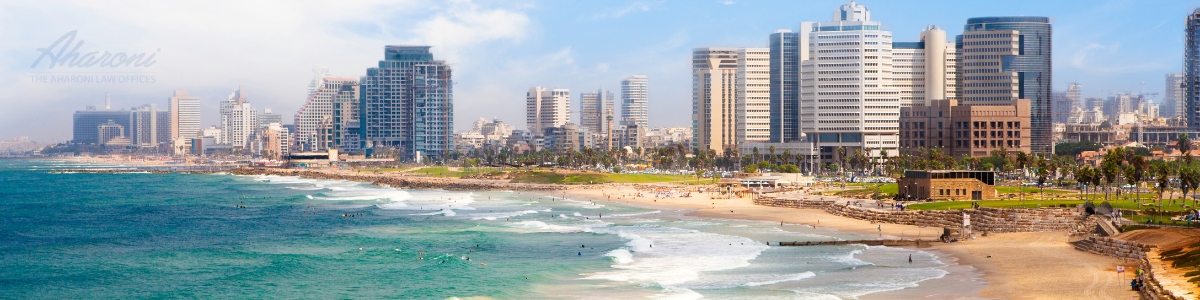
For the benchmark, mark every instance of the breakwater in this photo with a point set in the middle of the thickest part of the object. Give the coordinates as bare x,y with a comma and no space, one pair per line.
861,242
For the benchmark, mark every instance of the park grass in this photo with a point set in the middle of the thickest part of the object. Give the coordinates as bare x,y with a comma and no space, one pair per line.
461,172
556,178
885,188
1027,190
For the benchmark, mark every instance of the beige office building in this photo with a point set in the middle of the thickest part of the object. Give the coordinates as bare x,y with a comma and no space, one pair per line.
714,98
754,95
185,115
545,108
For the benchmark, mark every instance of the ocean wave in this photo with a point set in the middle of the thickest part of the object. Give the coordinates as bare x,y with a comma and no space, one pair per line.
679,255
539,226
789,277
620,256
444,212
494,216
637,214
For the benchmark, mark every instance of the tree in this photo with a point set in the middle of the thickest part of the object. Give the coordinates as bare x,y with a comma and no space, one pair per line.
1162,176
1043,172
750,168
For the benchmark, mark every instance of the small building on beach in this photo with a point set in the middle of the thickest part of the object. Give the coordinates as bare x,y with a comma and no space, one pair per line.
947,185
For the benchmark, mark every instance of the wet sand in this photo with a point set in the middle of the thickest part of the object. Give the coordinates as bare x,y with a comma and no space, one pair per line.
1023,265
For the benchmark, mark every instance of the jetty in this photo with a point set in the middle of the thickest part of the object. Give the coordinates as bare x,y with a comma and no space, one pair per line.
918,243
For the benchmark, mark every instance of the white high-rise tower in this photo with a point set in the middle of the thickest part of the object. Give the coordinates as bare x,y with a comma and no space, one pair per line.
848,98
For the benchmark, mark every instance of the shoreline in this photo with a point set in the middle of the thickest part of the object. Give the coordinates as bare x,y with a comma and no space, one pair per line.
1031,265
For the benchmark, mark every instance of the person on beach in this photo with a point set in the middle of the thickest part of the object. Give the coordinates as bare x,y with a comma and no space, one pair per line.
910,258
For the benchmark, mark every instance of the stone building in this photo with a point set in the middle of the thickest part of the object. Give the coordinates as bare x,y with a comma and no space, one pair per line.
964,130
947,185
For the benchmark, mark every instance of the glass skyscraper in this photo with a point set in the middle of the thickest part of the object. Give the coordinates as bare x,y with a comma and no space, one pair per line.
1005,59
407,103
1191,70
785,86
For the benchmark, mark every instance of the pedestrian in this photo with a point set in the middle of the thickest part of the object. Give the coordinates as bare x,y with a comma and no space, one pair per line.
910,258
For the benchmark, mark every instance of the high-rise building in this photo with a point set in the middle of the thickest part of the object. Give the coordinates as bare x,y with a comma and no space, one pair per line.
1005,59
149,127
847,97
238,120
635,101
1173,97
1191,69
545,108
407,103
753,96
87,121
714,98
785,84
185,115
596,110
108,131
925,71
267,117
314,120
345,122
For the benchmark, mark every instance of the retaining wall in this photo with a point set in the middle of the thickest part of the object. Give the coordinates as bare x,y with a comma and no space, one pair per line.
1106,246
1152,288
982,219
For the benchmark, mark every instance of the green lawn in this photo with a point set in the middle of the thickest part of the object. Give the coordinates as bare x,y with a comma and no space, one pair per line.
1027,190
885,188
446,172
551,177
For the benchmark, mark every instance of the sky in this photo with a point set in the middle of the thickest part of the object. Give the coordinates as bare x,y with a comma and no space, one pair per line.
498,49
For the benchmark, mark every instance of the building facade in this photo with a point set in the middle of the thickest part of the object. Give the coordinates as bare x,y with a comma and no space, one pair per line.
185,115
1173,96
753,85
314,119
407,103
847,97
596,111
925,71
545,108
962,130
149,127
238,119
635,101
1005,59
785,85
714,98
86,122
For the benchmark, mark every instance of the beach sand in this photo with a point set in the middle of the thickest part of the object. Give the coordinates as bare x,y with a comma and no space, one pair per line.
1023,265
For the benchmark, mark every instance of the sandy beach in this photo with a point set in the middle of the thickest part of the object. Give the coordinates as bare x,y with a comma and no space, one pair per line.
1022,265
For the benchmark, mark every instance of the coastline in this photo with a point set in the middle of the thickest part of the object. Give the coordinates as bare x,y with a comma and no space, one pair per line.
1039,265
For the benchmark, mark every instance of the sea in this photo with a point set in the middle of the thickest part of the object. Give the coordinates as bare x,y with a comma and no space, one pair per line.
141,235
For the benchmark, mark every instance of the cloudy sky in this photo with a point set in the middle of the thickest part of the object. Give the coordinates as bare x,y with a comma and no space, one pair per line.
499,49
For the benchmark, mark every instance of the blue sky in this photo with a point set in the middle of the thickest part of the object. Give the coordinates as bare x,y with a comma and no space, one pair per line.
499,49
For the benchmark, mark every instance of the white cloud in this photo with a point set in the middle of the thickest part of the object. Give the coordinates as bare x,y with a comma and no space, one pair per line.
617,12
210,47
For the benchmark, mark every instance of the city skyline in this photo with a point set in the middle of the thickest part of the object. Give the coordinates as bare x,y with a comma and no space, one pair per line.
493,48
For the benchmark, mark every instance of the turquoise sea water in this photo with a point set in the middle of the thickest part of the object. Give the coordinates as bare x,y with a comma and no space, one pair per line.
184,236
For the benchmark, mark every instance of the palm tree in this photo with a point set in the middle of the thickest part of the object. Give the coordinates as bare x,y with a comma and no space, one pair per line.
1163,178
841,152
1188,178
